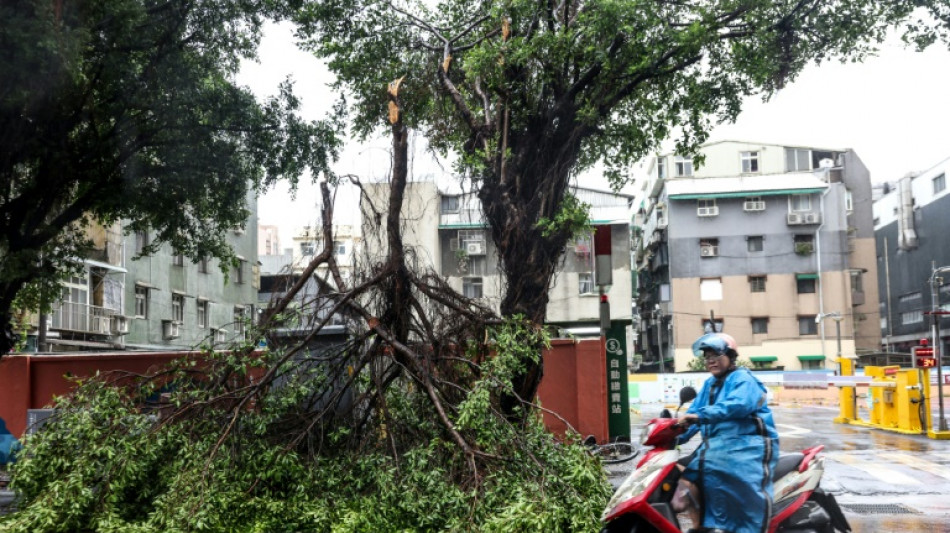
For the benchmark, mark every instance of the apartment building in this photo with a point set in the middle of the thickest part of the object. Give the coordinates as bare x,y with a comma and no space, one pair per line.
161,301
769,243
911,218
447,233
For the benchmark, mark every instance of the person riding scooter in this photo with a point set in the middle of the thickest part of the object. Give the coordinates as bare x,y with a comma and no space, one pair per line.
730,474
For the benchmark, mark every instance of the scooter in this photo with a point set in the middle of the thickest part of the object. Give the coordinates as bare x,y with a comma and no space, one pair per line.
642,504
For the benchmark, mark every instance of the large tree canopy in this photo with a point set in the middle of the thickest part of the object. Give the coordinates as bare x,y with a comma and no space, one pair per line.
127,109
530,92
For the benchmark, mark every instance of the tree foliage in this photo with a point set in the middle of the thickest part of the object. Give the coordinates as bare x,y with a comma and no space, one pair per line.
128,110
530,92
401,427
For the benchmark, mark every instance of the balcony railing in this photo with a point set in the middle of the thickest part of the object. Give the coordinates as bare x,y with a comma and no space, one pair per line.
83,318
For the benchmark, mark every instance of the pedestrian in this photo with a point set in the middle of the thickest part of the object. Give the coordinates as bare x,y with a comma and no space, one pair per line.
729,475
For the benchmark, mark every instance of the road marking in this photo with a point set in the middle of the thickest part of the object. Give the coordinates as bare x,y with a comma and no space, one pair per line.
918,463
885,474
789,431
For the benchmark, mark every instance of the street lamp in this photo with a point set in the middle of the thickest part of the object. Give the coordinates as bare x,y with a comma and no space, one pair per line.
836,316
938,347
843,367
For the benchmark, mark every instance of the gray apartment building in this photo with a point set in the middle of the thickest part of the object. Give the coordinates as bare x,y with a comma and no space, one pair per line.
769,243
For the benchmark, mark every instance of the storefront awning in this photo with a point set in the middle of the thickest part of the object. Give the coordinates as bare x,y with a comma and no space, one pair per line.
806,276
763,358
811,357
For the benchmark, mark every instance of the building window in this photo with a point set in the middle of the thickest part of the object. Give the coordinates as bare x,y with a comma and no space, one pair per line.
239,320
472,287
755,243
912,317
757,283
308,248
339,247
857,281
178,308
239,271
710,289
909,298
848,201
760,325
804,244
203,265
808,364
807,325
585,283
178,258
664,292
707,208
708,247
661,167
450,204
799,202
797,159
710,326
683,166
141,301
750,162
141,241
202,309
753,203
940,183
806,283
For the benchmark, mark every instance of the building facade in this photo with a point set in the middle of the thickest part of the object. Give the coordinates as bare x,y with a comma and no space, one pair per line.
161,301
911,218
769,243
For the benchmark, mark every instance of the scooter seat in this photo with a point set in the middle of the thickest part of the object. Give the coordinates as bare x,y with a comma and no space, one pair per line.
787,463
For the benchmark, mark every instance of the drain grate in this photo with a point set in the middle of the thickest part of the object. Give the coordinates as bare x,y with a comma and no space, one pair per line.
879,508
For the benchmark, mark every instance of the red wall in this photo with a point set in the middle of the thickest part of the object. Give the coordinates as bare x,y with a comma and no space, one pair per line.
575,387
31,382
574,384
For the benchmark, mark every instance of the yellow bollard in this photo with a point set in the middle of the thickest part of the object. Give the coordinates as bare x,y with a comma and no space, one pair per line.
847,396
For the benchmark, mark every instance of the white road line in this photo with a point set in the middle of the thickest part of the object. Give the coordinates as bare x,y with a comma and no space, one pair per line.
786,431
885,474
918,463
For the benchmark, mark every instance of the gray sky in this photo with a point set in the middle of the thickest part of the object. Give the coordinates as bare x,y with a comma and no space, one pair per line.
893,110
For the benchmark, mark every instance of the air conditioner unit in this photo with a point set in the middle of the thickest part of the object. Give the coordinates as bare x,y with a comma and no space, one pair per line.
120,325
812,218
707,211
709,251
171,329
794,218
753,206
475,248
661,223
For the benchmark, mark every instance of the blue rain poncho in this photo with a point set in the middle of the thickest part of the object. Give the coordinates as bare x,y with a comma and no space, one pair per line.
734,464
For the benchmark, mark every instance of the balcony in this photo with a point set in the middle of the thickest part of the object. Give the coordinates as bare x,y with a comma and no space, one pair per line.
82,318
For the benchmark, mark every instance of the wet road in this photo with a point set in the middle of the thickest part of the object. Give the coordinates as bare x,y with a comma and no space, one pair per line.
884,481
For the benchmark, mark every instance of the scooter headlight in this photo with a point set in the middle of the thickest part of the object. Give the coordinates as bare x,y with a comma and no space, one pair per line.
645,434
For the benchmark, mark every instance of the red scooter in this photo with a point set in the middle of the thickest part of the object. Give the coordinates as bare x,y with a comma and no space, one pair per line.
642,503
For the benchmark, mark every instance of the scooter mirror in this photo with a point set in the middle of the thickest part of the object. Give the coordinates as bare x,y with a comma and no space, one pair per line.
687,394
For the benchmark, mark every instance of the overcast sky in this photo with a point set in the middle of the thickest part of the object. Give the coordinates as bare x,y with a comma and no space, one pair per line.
893,110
